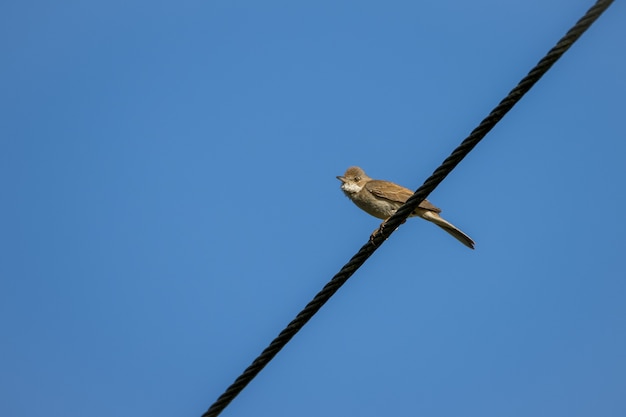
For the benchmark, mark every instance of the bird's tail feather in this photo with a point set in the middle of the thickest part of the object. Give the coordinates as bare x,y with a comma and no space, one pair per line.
450,228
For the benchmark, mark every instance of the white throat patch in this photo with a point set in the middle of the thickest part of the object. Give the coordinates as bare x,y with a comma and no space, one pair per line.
351,187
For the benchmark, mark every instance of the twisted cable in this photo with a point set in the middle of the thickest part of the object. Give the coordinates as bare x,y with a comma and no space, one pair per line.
391,224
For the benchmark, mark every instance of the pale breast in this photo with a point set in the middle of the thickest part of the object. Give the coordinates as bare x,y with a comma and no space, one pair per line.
374,206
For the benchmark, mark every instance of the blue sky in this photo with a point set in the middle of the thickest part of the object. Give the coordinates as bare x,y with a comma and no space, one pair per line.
170,204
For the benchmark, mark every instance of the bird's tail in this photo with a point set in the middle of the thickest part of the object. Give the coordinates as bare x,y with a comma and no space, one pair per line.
449,227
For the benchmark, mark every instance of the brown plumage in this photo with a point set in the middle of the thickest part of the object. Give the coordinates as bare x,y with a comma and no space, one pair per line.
381,199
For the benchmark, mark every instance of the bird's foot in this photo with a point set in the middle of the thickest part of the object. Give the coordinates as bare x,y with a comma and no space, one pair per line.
375,233
380,230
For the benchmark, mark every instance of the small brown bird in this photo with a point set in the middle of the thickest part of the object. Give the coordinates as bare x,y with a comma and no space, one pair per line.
382,198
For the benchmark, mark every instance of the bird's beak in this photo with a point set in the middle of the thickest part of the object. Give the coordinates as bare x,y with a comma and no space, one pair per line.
340,178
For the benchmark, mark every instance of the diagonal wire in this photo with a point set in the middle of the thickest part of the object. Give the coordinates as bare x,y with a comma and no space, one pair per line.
391,224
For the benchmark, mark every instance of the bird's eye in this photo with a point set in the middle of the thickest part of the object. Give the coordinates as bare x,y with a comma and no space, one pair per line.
357,179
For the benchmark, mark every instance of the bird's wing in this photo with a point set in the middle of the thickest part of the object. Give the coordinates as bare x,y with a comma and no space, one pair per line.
428,206
393,192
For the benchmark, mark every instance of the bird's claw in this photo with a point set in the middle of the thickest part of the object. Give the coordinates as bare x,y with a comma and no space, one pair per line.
377,232
380,230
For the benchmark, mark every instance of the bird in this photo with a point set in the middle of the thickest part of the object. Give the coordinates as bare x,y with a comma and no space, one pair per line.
381,199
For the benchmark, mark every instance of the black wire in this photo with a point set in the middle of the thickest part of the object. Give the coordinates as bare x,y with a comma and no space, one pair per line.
390,225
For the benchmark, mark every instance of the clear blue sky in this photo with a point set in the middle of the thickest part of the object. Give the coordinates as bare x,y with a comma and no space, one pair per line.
169,204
